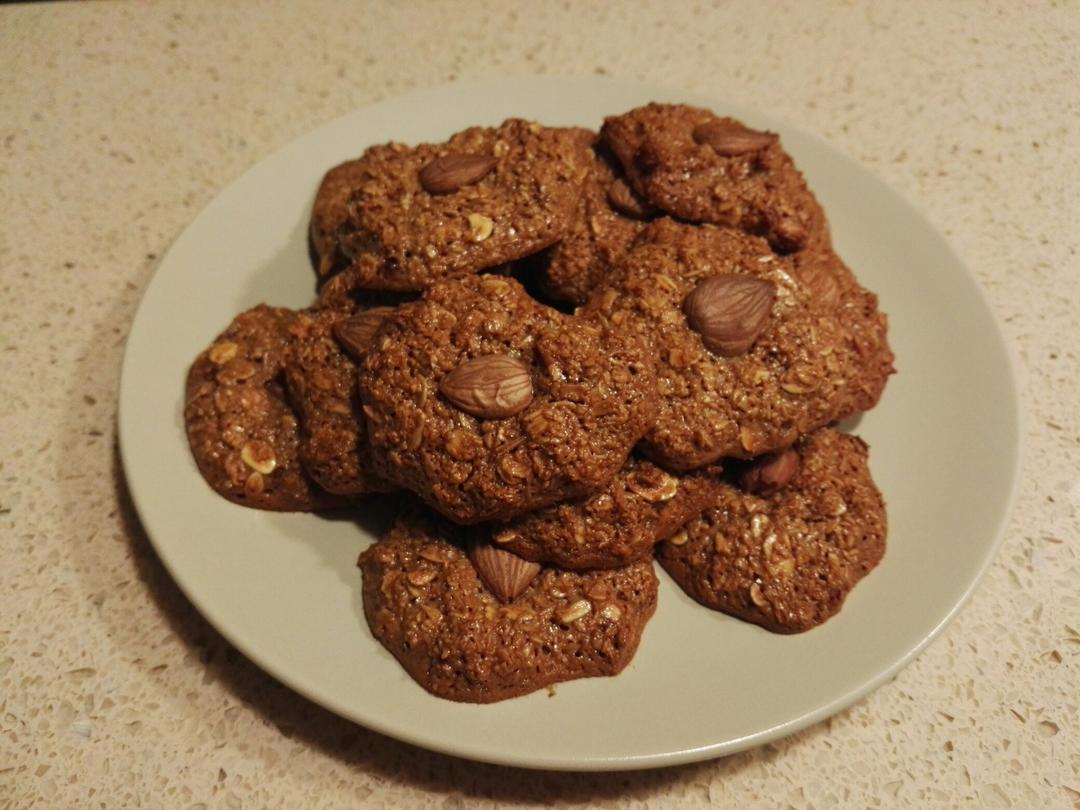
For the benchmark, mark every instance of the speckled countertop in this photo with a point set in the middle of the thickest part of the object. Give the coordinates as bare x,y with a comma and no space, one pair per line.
119,121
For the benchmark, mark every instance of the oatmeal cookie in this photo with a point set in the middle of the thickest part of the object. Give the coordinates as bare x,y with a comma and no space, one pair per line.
618,525
404,217
786,560
488,405
343,292
242,431
330,215
320,378
608,219
748,359
704,168
426,604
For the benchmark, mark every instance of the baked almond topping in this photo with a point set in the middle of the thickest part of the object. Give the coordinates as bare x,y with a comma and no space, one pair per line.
447,174
729,311
355,333
506,574
822,285
729,139
493,386
771,472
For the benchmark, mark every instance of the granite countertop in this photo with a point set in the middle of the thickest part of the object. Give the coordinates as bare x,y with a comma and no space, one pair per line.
120,121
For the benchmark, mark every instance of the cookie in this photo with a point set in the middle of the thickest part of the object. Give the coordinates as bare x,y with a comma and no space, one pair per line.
618,525
343,291
749,359
320,378
608,219
427,606
414,215
786,560
488,405
330,216
243,433
704,168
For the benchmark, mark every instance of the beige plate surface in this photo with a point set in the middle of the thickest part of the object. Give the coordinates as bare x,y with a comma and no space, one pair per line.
285,590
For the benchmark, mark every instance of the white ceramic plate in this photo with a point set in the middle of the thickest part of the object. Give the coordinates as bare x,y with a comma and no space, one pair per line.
285,590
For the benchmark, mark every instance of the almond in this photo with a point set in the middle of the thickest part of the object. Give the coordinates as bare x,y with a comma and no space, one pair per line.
730,138
789,234
820,282
355,333
493,386
770,472
505,573
622,198
446,174
729,311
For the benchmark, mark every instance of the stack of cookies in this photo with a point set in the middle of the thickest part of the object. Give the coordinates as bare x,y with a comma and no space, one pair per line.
572,354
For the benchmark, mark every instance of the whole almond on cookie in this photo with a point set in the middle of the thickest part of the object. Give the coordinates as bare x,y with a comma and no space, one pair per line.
729,311
771,472
505,574
728,138
493,386
789,234
355,333
447,174
820,283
